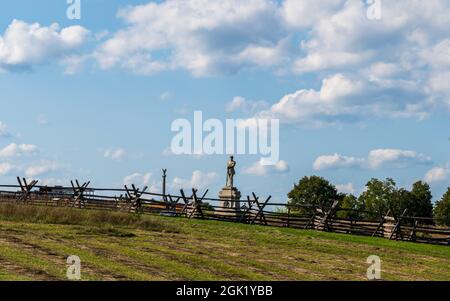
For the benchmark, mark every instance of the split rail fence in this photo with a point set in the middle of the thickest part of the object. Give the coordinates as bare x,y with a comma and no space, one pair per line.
254,210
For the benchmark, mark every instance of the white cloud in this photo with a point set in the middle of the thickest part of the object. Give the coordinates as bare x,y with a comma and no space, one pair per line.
199,180
260,169
53,182
304,14
346,188
115,153
437,174
315,106
394,67
15,150
42,168
203,37
24,45
336,161
74,63
5,168
344,99
407,49
244,105
237,103
378,158
437,57
382,70
4,130
346,38
139,179
395,158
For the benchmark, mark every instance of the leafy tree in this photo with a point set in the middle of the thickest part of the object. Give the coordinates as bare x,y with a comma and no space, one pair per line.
420,201
379,196
400,201
442,210
349,201
313,190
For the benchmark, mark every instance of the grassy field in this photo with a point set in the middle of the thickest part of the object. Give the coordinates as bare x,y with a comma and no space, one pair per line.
35,242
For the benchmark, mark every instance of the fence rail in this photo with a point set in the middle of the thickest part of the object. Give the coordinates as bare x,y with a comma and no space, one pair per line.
253,210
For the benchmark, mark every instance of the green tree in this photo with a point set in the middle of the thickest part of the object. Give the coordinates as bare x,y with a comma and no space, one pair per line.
401,199
313,190
351,202
442,210
379,196
420,201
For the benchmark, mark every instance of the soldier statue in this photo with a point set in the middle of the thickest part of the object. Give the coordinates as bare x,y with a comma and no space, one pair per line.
230,172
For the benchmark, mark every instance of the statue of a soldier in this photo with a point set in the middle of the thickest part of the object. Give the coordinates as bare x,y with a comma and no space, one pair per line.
230,196
230,172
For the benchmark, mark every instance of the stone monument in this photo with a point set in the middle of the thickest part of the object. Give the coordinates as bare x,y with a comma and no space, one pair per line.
230,196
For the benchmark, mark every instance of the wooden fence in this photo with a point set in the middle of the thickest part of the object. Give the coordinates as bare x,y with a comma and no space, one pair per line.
254,210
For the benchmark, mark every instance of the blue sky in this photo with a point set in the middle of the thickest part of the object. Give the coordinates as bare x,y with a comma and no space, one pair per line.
94,98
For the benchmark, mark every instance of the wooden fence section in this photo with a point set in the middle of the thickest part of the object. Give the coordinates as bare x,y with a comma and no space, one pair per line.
193,204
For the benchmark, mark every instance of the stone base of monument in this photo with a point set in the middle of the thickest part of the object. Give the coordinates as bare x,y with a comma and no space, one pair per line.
230,205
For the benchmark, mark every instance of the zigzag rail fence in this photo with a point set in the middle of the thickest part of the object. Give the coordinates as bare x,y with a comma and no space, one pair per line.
253,211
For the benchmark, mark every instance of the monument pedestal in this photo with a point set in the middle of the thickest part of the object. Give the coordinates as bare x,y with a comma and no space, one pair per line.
230,205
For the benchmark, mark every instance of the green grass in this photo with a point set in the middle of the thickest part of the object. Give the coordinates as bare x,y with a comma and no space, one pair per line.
35,242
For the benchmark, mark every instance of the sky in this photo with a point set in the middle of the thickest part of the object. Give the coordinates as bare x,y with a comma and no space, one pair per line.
361,90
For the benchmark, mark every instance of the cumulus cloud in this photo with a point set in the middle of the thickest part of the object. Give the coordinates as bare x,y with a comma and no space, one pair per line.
346,188
344,99
74,63
15,150
42,168
260,169
199,180
336,161
306,13
115,153
378,158
139,179
23,45
395,158
437,174
244,105
203,37
396,67
5,168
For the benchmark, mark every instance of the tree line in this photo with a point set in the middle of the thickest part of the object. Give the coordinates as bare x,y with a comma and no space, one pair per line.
379,198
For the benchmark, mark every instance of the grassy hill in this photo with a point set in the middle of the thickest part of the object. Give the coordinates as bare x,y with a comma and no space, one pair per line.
35,242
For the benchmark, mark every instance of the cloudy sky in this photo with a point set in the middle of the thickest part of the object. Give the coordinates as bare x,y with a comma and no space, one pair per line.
94,98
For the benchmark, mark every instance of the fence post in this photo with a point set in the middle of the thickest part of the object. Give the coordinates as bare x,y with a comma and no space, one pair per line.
310,224
413,234
289,217
25,189
397,228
